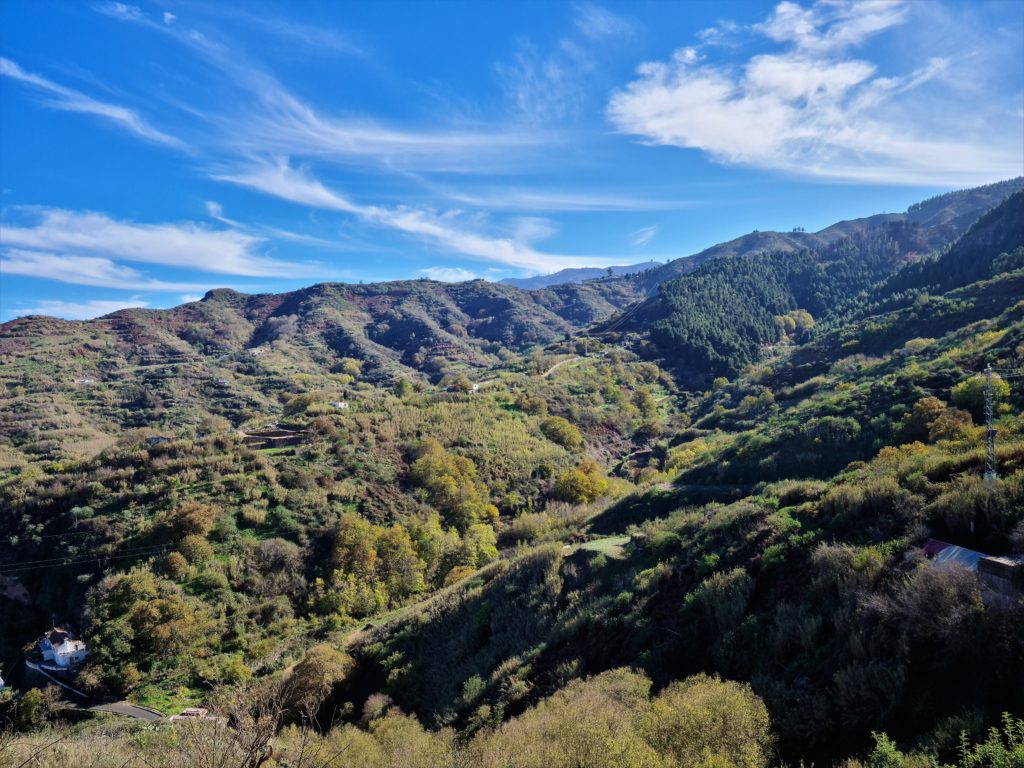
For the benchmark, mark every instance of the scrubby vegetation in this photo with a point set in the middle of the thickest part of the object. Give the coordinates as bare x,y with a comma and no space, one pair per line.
593,557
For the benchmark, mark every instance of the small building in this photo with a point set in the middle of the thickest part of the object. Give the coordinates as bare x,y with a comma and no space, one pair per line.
61,649
273,437
341,405
945,554
85,380
1000,574
475,388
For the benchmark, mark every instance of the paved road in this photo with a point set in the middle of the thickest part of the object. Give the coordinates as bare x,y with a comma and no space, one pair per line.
128,710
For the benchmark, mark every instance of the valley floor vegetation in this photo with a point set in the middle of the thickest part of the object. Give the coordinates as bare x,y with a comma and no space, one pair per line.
373,529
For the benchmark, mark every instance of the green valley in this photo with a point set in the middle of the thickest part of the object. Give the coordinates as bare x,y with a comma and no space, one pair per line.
690,516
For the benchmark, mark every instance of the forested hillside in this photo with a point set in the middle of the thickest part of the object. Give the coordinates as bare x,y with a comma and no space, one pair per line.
497,529
719,319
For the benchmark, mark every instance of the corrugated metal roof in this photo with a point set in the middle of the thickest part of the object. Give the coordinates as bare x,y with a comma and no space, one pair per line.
932,547
954,555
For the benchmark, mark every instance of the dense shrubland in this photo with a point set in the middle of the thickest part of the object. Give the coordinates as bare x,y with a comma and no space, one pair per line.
238,556
577,563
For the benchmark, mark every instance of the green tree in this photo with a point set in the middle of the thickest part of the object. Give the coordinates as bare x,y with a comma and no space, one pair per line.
398,565
918,423
885,754
30,713
351,367
560,431
452,485
313,678
581,485
644,402
706,721
970,393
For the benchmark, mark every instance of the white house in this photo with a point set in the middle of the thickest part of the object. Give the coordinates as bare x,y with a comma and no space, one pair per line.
62,649
340,404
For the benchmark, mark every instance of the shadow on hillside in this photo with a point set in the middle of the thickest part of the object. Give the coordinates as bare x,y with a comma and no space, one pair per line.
659,502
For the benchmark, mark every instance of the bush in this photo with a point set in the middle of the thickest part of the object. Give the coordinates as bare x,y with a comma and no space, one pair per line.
970,394
558,430
704,721
581,485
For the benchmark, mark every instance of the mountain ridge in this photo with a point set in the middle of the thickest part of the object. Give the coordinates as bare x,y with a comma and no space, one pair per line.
577,275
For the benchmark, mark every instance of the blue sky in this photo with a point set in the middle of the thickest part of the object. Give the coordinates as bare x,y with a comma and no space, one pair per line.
151,152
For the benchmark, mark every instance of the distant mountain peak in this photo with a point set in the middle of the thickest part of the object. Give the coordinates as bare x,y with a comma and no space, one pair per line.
576,275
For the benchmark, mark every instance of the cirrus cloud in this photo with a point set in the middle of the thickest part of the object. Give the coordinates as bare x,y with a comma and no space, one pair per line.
185,244
443,229
85,270
69,100
78,310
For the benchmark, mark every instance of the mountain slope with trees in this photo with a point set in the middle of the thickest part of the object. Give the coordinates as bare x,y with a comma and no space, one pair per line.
579,562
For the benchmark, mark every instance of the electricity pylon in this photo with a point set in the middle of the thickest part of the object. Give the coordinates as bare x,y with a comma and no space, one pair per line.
990,415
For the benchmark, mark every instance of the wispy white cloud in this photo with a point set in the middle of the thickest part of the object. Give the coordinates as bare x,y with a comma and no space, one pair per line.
444,230
78,310
546,86
84,270
188,298
812,109
123,11
542,88
269,119
514,199
641,237
69,100
722,33
303,38
448,274
185,245
533,229
832,25
216,212
597,23
281,180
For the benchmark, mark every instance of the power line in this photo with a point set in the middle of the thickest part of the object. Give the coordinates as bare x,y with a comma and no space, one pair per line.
58,562
95,550
58,535
85,561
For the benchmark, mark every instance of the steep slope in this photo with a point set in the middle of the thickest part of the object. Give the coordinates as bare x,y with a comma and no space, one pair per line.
720,317
816,591
230,356
559,516
940,220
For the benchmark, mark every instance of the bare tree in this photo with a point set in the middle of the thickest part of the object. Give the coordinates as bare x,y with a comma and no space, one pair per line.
244,723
